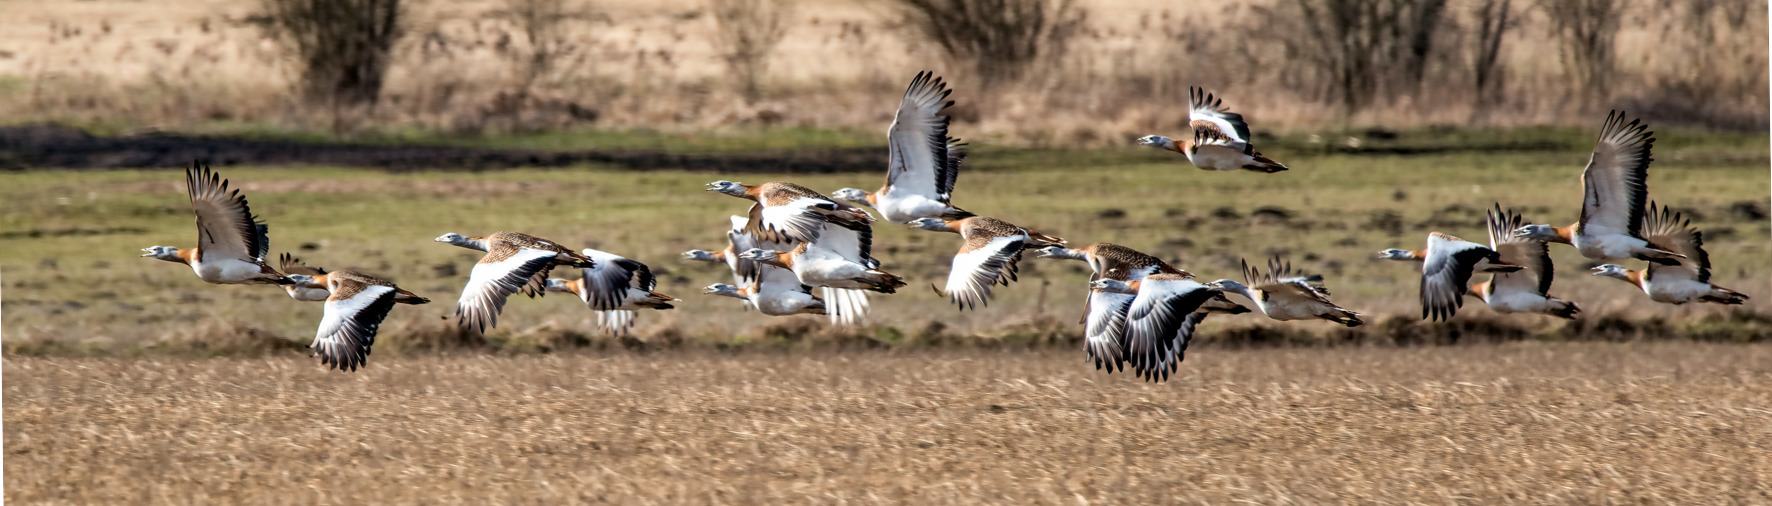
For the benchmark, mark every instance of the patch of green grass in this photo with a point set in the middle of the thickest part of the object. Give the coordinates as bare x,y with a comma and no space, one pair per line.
72,273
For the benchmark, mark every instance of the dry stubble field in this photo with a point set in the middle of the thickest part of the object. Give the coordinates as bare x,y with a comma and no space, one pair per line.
1524,422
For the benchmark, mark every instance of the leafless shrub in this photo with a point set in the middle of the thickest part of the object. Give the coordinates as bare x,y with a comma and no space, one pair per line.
747,32
1585,30
543,26
1717,75
999,39
342,46
1357,49
1493,18
1713,39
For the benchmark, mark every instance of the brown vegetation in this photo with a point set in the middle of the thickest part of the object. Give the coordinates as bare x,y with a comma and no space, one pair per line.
1526,423
1124,68
343,46
747,33
997,39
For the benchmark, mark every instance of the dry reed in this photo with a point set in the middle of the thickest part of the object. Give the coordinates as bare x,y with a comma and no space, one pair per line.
657,65
1528,423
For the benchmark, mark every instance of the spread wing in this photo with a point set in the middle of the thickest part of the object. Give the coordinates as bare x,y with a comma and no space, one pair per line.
853,241
979,265
1105,328
1533,255
951,171
796,220
1211,143
1207,113
348,326
262,233
845,306
225,225
494,279
289,264
606,283
1446,274
1159,323
744,272
1280,283
772,280
616,322
1615,185
1668,229
918,139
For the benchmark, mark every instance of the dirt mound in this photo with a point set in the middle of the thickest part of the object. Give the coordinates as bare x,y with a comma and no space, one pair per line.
49,146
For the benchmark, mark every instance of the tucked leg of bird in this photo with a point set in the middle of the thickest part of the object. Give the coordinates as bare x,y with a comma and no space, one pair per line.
887,279
1345,318
1264,164
1564,309
1722,295
405,297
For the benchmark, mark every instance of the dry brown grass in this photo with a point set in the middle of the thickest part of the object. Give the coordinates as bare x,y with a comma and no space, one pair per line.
654,64
1529,423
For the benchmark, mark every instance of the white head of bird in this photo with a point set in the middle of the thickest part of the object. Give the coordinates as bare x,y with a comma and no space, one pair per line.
558,285
722,289
1111,285
1537,232
463,241
929,224
852,195
1226,285
727,187
1156,141
1612,271
167,253
1395,254
760,255
699,255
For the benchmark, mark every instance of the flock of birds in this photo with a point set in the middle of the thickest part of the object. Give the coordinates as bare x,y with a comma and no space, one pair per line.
1141,311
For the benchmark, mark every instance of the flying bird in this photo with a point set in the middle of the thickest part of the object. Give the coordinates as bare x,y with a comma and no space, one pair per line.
1526,290
309,281
513,262
356,304
615,288
1614,189
772,290
787,212
231,242
987,256
1282,296
737,241
775,292
1220,138
1161,320
923,162
823,265
1686,281
1447,265
1128,265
